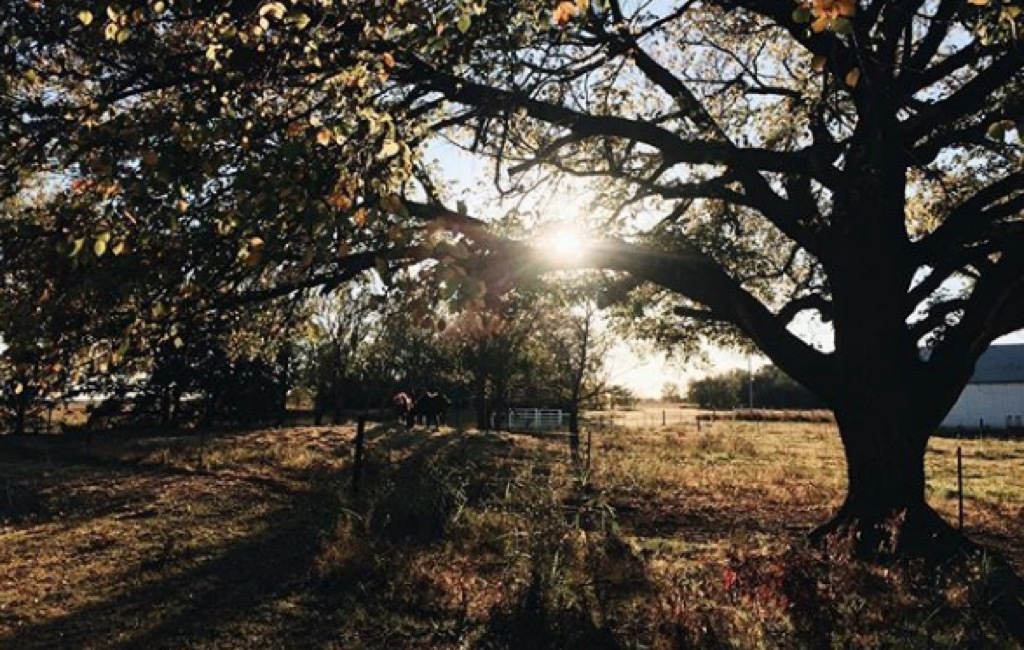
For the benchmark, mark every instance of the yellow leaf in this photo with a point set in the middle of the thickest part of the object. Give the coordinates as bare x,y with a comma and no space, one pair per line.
255,243
85,16
274,9
389,149
852,77
979,3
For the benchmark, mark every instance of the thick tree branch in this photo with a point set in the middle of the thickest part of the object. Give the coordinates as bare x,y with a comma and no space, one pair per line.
693,275
684,270
814,301
970,98
973,217
928,47
494,101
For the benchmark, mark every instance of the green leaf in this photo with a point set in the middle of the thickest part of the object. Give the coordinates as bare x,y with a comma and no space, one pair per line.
76,247
461,208
998,130
465,21
99,247
300,19
842,25
802,15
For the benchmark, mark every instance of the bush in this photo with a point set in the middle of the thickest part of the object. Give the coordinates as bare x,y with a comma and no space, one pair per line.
772,389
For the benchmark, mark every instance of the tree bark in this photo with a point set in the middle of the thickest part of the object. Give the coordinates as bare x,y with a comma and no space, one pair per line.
885,513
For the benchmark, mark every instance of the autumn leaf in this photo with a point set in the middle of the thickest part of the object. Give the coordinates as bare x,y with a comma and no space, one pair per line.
852,77
388,60
998,130
564,12
324,137
389,149
273,9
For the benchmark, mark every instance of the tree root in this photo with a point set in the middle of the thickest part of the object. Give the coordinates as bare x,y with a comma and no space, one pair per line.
920,534
909,533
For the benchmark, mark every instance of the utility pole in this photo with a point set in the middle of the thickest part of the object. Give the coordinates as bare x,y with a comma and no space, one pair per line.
750,382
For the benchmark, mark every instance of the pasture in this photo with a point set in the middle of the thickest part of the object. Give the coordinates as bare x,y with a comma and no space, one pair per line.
670,538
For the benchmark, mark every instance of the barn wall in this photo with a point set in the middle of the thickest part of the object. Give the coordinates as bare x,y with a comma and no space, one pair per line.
989,402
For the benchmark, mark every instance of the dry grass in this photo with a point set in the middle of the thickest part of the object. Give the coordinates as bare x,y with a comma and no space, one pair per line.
672,538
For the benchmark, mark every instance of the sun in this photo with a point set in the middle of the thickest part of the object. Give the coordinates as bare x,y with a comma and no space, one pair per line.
564,244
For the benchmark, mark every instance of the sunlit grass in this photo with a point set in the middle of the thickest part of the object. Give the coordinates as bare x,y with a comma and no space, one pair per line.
672,537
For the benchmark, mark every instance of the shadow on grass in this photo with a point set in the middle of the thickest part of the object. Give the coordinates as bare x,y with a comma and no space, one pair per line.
274,588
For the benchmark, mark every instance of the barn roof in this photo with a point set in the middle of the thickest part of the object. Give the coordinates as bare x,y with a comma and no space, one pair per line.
1000,364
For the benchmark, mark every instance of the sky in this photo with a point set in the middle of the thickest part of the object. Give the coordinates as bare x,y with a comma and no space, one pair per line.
642,370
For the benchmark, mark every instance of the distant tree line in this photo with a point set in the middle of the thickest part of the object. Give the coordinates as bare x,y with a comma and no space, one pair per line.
336,354
771,388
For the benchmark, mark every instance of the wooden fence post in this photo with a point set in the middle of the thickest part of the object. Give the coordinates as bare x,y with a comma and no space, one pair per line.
357,461
589,435
960,485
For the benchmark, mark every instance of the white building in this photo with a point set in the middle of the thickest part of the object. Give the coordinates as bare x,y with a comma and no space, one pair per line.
994,396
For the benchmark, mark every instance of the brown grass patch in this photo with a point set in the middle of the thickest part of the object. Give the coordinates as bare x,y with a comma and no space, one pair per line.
673,537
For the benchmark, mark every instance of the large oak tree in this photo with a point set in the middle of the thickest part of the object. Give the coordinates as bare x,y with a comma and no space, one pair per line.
768,161
847,161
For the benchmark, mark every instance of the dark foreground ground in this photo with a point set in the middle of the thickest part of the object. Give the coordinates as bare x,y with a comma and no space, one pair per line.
668,538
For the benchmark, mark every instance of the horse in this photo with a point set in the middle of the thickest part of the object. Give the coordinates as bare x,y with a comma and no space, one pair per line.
432,407
403,405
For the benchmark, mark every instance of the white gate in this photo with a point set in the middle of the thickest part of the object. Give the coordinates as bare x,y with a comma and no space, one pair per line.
535,419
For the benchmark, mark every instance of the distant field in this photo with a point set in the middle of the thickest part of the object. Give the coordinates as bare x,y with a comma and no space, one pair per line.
669,537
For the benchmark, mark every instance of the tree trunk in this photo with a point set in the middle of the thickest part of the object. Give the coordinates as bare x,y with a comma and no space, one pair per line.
885,513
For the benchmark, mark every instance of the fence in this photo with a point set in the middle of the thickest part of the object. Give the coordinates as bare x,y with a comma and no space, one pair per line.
527,419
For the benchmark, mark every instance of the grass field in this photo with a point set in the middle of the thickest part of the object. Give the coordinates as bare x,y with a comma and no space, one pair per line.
670,538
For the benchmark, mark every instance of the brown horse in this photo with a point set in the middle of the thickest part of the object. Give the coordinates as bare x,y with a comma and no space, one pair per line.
403,405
